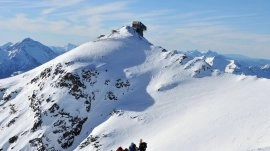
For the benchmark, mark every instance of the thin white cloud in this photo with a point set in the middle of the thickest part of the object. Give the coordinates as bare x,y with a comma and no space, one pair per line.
52,5
106,8
94,17
47,11
94,10
8,1
46,6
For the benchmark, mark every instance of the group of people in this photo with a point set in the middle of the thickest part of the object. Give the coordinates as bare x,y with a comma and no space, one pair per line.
133,147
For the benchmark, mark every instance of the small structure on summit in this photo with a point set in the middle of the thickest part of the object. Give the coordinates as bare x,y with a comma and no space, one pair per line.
139,27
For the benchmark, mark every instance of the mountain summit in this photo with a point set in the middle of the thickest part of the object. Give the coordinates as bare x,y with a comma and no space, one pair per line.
120,88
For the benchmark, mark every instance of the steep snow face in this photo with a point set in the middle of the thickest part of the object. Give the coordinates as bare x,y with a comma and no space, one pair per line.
23,56
121,88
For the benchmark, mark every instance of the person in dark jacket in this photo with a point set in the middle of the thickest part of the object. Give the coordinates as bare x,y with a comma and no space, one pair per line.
120,149
142,145
133,147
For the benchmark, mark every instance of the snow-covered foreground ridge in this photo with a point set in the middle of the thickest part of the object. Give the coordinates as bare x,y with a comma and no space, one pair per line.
121,88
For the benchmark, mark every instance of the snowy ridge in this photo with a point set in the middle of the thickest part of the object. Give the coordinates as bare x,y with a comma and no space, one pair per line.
233,64
121,88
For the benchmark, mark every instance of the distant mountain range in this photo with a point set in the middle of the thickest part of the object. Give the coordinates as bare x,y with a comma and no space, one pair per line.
25,55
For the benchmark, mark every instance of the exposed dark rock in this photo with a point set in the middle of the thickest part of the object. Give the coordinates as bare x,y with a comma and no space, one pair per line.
53,108
87,105
117,112
89,140
35,105
49,99
2,89
120,84
7,97
41,85
34,80
12,121
46,73
67,139
35,101
111,96
73,83
107,82
182,59
12,109
88,74
100,36
13,139
164,50
69,63
38,144
58,69
36,125
59,122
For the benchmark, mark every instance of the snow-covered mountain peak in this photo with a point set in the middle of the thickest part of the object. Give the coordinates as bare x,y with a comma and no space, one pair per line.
22,56
122,45
35,49
123,32
120,88
77,90
28,40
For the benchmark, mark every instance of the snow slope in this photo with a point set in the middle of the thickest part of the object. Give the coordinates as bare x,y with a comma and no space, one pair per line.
121,88
23,56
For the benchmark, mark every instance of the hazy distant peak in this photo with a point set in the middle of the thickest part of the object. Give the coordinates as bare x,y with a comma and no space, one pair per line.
23,56
28,40
63,49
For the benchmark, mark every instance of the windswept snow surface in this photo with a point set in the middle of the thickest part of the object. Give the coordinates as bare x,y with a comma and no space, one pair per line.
120,88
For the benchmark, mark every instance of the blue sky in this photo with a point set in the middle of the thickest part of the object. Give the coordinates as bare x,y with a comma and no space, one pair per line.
225,26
